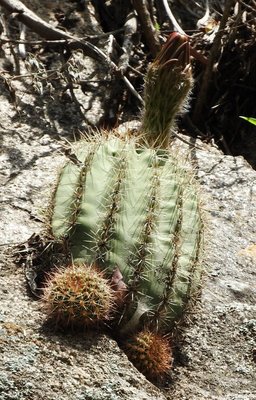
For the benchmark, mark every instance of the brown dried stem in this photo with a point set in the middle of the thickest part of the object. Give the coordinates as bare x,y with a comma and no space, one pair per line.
214,53
150,33
48,32
130,28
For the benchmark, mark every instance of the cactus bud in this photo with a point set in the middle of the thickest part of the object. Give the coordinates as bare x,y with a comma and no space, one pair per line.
167,87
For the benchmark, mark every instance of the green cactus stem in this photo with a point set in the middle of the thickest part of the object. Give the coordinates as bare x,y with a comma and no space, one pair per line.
167,87
135,209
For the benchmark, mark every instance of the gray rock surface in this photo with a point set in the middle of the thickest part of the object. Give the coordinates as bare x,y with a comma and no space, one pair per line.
35,363
219,346
217,357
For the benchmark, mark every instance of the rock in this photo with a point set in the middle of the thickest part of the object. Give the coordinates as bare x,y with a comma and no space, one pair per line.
219,358
38,365
216,358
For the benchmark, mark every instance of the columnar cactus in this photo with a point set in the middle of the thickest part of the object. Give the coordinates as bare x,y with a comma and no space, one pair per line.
132,208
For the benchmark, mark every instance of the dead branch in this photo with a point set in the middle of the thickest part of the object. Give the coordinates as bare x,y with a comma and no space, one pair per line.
130,28
203,21
173,20
21,46
150,33
214,52
60,41
48,32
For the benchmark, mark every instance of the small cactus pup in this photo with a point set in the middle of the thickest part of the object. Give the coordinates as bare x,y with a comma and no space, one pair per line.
150,353
130,205
78,296
167,88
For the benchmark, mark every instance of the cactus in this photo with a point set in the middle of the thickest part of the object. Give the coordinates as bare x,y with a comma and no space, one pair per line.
124,205
78,296
136,209
129,206
150,353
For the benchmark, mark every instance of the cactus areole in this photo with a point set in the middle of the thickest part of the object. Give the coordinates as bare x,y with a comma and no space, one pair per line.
136,209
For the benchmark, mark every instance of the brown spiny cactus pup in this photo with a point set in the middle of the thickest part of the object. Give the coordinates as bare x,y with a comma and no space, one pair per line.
151,353
78,295
167,87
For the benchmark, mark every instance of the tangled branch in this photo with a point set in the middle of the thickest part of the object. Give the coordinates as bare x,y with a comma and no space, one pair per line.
48,32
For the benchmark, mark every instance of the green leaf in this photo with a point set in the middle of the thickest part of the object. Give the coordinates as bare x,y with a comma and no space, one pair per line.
249,119
157,27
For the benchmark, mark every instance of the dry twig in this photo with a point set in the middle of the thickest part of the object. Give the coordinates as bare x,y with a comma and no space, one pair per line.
173,20
215,50
45,30
150,33
130,28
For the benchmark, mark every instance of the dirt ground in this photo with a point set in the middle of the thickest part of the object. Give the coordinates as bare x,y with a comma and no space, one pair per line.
217,355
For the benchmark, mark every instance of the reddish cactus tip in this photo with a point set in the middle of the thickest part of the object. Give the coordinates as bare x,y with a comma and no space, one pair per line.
176,48
150,353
